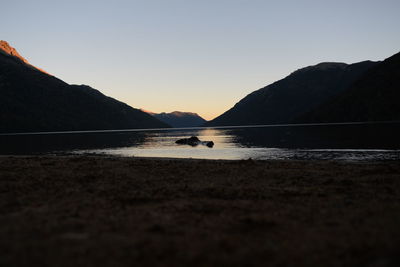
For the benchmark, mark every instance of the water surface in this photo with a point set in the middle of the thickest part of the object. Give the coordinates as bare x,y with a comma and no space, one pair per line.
351,142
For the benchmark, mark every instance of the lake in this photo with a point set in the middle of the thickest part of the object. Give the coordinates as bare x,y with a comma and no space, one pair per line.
347,141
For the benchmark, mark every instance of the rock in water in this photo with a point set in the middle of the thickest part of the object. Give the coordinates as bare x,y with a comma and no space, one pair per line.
194,141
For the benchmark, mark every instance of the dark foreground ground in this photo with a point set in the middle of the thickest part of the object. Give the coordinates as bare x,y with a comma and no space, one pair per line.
93,211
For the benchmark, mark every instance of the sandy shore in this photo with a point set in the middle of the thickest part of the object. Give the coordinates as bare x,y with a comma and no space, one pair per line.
100,211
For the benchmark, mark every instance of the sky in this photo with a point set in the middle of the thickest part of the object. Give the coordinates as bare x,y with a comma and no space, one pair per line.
199,56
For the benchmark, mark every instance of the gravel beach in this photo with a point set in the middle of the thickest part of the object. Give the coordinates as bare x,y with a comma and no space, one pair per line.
110,211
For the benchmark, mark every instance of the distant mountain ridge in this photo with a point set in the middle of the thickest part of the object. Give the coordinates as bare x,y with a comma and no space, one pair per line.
31,100
180,119
9,50
375,96
6,49
300,92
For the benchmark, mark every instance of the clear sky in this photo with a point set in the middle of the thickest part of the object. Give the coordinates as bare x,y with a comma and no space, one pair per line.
194,55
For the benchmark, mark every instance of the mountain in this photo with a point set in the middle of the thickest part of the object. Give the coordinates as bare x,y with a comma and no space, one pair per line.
31,100
297,94
6,49
179,119
375,96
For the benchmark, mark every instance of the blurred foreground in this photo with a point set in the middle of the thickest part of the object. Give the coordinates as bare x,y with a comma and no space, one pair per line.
108,211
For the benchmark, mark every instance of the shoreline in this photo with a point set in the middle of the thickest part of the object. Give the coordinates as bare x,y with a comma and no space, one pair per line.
115,156
107,211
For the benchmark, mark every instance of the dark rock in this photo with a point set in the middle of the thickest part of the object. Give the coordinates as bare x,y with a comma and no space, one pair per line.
210,144
194,141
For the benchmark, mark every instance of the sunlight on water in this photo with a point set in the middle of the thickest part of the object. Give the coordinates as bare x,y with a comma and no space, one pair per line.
250,153
350,142
166,139
162,144
229,146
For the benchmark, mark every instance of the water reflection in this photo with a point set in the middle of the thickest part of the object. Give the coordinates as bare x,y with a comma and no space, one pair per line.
220,137
339,142
365,136
39,144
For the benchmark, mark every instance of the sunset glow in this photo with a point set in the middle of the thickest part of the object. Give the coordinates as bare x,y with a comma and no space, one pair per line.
196,56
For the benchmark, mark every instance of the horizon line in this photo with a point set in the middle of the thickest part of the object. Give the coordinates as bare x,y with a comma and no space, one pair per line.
197,128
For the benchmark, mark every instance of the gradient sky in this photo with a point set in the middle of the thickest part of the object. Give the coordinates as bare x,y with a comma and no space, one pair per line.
201,56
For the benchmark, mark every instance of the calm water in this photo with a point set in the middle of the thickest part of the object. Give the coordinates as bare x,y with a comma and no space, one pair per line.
350,142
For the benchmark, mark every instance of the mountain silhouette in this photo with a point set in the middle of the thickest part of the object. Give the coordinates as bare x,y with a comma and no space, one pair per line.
180,119
31,100
297,94
374,96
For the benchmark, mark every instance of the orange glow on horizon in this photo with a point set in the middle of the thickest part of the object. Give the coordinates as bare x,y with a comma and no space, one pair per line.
206,116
